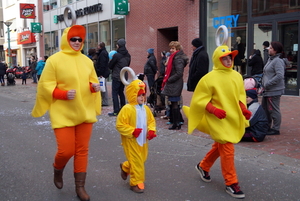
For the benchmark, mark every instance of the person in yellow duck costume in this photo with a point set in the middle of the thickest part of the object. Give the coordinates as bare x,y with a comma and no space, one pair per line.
69,90
136,125
218,108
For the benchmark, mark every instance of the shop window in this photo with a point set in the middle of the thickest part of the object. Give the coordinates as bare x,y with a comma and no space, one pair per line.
51,42
105,34
49,4
118,31
65,2
272,7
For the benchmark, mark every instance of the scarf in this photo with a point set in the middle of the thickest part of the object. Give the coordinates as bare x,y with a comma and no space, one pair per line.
169,69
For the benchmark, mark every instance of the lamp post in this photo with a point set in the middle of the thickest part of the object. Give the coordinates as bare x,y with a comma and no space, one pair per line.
8,43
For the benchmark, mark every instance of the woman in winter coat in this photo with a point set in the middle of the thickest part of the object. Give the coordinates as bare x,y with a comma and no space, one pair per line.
256,62
273,84
173,81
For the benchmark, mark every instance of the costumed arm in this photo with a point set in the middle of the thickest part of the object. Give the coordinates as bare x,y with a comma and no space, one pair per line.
221,114
45,89
151,123
245,111
123,123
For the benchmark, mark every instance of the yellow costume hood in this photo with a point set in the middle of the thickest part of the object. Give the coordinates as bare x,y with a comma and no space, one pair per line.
224,88
132,91
68,69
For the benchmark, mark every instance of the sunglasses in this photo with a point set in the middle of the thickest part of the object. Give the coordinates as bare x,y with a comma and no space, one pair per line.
76,39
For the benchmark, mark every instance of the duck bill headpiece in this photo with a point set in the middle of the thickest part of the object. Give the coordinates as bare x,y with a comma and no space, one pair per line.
219,53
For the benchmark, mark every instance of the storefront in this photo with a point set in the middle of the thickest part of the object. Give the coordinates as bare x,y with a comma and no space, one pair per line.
101,24
253,22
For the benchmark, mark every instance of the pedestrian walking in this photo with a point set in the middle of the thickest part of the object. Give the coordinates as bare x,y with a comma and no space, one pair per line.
102,69
33,70
69,89
273,84
150,68
136,125
119,60
2,73
24,76
199,64
218,108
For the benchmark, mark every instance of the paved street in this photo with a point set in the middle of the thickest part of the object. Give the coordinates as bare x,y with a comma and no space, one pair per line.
27,148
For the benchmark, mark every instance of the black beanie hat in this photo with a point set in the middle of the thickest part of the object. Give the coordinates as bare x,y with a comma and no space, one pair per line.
266,43
251,93
121,42
197,42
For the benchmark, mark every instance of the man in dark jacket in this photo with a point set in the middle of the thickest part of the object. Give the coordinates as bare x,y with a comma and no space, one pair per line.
120,59
199,64
102,69
150,67
258,128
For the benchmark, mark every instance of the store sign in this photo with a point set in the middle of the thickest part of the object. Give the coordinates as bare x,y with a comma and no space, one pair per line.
229,21
25,38
36,27
121,7
80,12
27,11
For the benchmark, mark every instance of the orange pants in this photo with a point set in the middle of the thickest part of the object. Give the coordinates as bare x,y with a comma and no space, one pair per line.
73,141
226,154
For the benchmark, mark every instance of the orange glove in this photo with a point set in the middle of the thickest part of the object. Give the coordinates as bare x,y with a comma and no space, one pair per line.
221,114
136,133
151,135
247,114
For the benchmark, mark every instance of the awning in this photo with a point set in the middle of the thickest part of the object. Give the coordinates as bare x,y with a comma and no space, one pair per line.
13,46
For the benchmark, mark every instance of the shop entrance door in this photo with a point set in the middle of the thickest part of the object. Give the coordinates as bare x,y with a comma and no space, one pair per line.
287,33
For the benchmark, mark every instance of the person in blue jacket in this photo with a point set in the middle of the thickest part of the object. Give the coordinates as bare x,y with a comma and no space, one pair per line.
40,67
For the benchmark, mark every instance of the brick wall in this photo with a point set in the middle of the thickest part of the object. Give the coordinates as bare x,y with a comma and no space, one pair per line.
145,26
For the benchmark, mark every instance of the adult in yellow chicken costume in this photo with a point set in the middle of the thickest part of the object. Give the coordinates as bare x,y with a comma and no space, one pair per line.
69,90
136,125
218,108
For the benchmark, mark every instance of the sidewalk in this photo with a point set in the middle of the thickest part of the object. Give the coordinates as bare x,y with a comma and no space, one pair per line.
285,144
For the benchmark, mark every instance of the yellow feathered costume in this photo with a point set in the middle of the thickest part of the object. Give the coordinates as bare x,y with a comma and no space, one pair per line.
133,116
68,69
224,88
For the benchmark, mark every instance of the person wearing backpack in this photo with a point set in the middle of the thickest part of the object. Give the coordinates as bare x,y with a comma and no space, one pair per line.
120,59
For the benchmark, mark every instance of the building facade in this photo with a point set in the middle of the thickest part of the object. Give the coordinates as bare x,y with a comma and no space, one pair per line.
102,25
153,24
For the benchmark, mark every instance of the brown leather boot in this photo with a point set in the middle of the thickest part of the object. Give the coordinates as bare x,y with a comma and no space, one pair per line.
79,186
58,178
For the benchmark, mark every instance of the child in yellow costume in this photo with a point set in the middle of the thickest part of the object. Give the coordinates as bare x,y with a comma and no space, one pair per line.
137,125
69,89
218,108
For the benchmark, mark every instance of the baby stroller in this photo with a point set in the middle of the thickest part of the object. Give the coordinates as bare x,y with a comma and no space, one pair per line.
156,100
254,81
10,79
